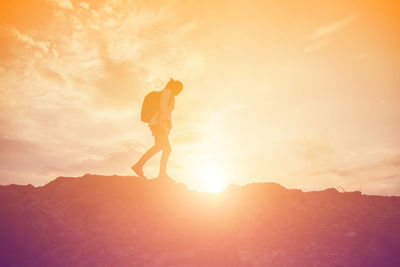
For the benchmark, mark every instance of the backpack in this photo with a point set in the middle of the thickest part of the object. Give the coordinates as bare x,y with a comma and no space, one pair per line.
151,104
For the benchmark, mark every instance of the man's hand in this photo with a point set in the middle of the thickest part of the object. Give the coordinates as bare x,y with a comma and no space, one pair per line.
165,125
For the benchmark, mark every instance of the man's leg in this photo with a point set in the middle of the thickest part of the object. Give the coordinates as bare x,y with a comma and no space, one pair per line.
166,151
138,167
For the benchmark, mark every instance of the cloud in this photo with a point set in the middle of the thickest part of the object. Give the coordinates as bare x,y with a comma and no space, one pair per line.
24,160
380,177
315,150
30,41
325,30
84,5
20,159
320,36
52,75
112,163
8,146
64,4
120,82
391,163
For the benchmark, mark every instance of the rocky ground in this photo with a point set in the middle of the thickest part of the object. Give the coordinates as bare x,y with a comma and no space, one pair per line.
126,221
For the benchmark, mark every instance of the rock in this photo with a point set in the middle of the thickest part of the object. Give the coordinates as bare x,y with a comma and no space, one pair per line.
97,220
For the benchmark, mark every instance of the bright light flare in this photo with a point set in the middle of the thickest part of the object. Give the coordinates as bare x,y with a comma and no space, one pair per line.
211,177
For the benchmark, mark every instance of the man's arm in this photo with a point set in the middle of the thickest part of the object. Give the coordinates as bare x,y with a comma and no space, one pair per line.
165,112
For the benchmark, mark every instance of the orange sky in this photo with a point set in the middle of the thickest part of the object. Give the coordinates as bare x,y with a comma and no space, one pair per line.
306,95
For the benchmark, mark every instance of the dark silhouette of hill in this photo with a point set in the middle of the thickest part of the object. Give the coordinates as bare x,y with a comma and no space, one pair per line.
126,221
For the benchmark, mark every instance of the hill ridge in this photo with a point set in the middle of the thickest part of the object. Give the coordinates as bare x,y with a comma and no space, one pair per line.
98,220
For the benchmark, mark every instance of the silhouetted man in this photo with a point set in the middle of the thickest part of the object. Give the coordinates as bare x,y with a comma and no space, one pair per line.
160,125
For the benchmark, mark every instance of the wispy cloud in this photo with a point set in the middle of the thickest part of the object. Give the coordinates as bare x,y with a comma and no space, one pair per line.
379,177
324,30
84,5
321,36
29,40
65,4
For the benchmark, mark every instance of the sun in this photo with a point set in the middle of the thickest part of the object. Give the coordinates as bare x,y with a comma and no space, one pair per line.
211,177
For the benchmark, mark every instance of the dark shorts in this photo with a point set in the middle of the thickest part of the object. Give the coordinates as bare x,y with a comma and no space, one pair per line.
160,136
157,130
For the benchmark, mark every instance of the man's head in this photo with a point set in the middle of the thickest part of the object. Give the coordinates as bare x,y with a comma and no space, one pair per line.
175,86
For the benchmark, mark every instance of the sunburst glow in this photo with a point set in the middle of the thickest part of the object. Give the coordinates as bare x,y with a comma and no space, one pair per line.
211,177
